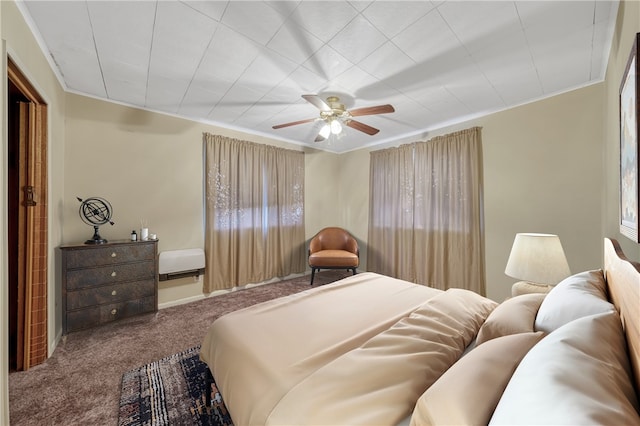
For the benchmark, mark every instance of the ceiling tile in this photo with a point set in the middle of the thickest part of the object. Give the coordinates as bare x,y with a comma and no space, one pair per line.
227,56
123,32
240,96
198,100
125,82
226,114
554,58
392,66
324,19
181,35
480,24
477,94
353,80
521,88
256,20
327,63
501,60
180,39
294,42
212,9
357,40
203,96
391,18
361,5
556,18
301,81
283,7
277,67
428,39
254,116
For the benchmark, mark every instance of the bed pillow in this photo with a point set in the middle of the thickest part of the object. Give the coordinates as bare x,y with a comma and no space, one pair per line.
579,374
468,392
515,315
574,297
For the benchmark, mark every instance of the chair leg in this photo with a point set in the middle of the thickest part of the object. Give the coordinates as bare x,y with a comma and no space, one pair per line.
313,272
354,271
208,383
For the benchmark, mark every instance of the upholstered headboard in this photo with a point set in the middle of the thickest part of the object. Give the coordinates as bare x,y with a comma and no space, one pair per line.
623,282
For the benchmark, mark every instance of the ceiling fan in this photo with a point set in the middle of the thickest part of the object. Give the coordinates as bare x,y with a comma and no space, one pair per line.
334,114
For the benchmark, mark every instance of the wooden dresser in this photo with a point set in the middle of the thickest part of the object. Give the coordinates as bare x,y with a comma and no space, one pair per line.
105,282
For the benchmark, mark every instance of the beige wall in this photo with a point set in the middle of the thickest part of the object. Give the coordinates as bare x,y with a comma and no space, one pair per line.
354,197
543,172
322,178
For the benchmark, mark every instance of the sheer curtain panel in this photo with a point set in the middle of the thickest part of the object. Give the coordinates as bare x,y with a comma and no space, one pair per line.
254,212
426,212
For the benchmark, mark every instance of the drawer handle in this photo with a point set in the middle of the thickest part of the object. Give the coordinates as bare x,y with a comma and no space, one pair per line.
113,274
113,293
114,311
114,254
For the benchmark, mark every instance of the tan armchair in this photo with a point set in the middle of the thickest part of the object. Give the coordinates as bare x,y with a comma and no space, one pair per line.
333,248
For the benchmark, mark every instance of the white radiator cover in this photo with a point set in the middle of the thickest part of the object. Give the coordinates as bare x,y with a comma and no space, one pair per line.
174,261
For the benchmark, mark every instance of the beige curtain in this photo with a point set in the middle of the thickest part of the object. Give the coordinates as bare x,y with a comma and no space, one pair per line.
254,212
425,218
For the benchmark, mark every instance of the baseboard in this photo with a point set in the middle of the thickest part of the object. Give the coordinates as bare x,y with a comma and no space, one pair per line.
54,344
221,292
181,301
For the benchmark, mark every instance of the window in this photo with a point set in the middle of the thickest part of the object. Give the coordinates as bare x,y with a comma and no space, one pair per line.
254,216
425,222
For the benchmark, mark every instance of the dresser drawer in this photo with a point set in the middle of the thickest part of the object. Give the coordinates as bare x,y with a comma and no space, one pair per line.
110,294
91,277
90,317
109,255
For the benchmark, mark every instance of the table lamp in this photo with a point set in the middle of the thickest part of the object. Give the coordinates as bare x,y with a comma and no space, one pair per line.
538,261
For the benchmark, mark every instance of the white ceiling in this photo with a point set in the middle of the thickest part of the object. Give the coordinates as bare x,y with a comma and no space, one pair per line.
245,64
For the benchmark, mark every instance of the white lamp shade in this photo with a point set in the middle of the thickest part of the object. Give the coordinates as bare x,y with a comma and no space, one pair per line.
537,258
325,131
336,127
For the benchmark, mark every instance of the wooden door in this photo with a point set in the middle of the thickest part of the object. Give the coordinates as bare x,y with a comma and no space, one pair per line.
29,240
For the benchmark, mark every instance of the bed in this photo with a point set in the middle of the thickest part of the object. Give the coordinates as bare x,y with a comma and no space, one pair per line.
371,349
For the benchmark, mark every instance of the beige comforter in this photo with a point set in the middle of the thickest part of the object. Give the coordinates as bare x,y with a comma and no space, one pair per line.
340,353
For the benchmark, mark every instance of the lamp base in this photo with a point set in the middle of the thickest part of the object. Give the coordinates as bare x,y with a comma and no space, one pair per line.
525,287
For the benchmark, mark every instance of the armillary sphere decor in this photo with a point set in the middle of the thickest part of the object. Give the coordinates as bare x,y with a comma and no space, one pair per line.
95,211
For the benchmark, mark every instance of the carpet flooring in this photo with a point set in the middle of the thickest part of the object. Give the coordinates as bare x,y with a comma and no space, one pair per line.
80,383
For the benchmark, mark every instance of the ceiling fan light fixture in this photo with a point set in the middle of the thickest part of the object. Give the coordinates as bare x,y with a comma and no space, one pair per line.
325,131
334,115
336,127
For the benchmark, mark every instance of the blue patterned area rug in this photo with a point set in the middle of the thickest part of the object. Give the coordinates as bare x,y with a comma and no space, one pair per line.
171,391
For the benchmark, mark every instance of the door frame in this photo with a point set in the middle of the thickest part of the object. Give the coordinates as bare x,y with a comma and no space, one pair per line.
34,200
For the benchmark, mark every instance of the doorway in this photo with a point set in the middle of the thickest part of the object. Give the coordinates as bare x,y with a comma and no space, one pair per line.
27,222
